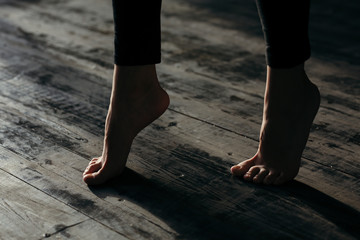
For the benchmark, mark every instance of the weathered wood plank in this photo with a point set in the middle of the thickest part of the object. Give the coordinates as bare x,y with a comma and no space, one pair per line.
244,104
120,218
51,95
54,88
175,167
28,213
91,145
136,189
88,229
206,113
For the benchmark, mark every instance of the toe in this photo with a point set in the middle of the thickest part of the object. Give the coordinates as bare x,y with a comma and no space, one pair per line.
259,178
251,173
94,161
281,179
94,178
92,168
270,178
241,168
88,178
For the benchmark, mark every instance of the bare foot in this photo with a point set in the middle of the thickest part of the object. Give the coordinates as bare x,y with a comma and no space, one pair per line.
290,104
136,100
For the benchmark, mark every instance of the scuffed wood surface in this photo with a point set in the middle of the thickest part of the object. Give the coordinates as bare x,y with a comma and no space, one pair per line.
55,81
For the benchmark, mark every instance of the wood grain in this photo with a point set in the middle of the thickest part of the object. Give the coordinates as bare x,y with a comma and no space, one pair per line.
55,81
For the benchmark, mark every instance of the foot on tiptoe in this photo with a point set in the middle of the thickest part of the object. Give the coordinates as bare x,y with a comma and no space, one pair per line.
136,100
290,104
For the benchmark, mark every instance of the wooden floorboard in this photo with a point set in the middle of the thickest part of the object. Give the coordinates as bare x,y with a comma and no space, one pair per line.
55,81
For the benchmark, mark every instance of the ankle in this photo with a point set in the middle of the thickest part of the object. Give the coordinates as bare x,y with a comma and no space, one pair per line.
133,82
134,71
298,69
288,80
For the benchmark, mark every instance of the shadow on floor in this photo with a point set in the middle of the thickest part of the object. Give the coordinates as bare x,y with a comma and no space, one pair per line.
196,216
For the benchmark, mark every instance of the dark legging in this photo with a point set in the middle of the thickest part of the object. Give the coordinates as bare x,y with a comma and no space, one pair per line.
284,23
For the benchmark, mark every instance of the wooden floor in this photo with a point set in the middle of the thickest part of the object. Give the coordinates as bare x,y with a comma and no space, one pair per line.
55,81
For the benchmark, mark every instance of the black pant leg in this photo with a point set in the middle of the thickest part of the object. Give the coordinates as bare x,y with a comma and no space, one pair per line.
285,27
137,32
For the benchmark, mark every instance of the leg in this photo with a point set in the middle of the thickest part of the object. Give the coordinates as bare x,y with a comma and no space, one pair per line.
291,101
137,32
136,98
